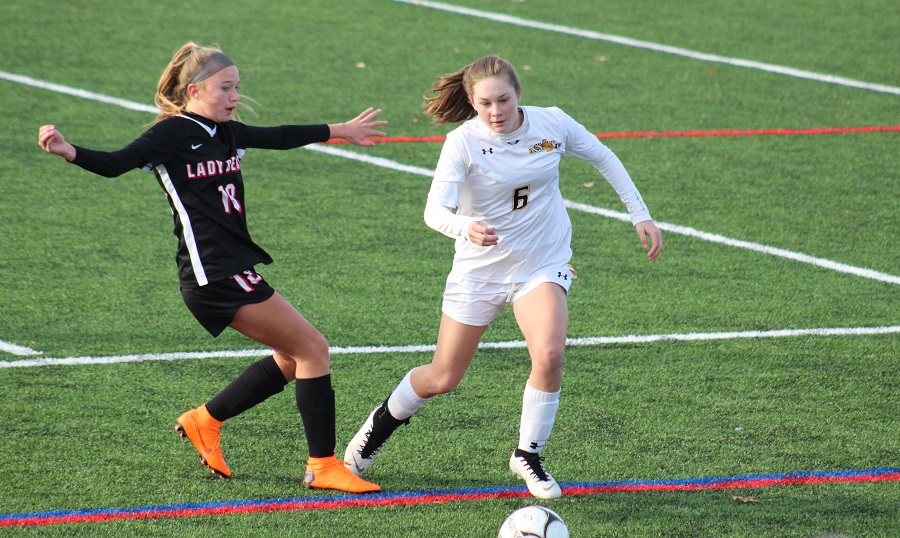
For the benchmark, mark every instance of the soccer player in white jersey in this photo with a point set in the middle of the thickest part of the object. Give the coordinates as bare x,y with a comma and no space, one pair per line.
500,171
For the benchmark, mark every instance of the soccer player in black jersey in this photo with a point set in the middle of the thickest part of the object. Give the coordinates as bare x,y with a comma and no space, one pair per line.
194,148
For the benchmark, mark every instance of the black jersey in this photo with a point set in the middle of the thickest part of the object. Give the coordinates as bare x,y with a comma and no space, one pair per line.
198,164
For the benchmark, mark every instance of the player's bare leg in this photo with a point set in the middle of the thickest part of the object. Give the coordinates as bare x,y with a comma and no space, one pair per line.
542,315
456,346
301,352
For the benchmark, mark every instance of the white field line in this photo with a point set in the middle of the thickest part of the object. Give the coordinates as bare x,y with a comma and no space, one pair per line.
14,349
687,53
68,90
772,251
393,165
673,228
368,159
595,341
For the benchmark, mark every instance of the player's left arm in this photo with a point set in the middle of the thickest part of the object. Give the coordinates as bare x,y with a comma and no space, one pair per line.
359,129
585,145
651,238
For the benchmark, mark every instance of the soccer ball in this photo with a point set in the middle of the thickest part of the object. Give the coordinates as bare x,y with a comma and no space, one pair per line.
533,522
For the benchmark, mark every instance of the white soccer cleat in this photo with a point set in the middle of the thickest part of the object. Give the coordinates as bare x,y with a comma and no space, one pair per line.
529,466
362,450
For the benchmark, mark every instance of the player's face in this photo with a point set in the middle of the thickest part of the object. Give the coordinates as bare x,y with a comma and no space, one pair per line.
497,104
217,96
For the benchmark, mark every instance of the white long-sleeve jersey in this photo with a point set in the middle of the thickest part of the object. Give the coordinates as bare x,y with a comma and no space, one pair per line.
511,182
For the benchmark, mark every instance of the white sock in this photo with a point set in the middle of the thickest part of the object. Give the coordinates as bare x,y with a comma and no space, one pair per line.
538,415
404,401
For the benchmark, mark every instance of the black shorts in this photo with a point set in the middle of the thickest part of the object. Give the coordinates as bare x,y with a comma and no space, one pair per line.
215,304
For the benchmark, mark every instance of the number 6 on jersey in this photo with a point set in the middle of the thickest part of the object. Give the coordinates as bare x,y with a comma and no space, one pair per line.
520,197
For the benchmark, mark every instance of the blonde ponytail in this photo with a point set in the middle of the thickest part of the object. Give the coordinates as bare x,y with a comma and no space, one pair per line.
190,65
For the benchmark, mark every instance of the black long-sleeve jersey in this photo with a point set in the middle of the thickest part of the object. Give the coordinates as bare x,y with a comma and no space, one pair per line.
198,164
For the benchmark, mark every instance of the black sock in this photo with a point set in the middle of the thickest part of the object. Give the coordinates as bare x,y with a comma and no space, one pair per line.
384,423
258,382
315,402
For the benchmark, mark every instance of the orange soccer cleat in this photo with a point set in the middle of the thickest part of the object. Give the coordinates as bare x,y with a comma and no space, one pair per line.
203,432
329,473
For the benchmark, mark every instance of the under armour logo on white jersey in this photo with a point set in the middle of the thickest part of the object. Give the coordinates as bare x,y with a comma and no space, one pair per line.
486,151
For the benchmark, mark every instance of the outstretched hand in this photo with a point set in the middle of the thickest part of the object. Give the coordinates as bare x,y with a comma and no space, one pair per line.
359,128
654,246
53,142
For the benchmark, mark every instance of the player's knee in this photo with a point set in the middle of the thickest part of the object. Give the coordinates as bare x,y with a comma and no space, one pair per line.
318,347
319,343
444,383
548,361
311,348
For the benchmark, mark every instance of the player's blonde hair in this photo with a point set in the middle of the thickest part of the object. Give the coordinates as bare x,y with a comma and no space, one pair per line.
171,91
452,102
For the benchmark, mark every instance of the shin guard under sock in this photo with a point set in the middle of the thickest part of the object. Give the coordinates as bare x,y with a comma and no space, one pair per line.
538,415
315,402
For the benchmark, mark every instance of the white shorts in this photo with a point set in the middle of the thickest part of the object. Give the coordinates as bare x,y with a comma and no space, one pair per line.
478,303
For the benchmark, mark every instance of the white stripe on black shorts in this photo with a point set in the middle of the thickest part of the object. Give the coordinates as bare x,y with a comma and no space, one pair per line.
215,304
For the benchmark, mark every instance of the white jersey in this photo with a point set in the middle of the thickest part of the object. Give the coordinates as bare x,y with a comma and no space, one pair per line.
511,182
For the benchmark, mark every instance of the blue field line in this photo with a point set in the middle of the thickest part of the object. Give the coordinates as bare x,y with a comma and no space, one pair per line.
838,476
444,495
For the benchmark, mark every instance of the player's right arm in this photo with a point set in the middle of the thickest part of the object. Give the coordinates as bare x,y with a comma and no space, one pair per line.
444,220
53,142
151,147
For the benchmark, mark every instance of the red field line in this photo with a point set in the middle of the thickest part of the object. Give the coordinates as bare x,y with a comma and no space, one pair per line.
672,134
58,517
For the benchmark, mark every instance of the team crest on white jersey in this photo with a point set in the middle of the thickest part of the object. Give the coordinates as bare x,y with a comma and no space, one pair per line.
544,145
